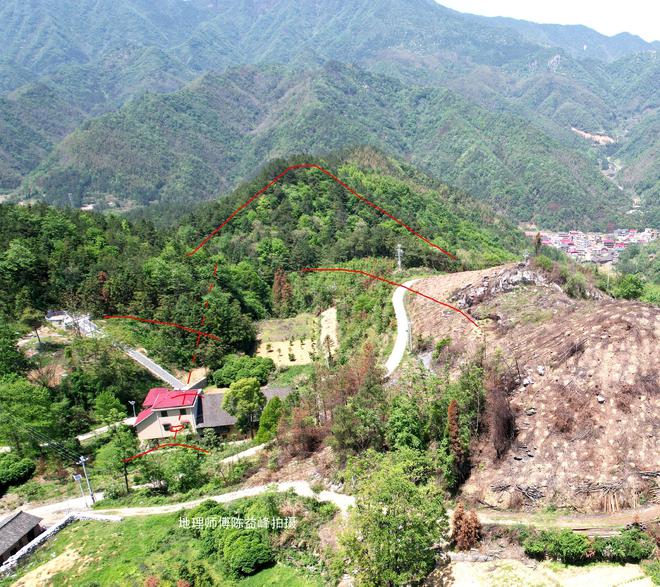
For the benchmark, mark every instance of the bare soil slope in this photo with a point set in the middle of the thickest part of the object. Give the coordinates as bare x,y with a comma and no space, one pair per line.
588,413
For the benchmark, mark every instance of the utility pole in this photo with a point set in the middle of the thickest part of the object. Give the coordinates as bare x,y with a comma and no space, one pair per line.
399,256
82,462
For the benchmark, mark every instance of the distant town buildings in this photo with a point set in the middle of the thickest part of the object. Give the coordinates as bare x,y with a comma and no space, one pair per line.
594,247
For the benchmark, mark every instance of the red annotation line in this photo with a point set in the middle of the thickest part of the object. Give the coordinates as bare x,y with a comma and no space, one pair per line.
186,328
419,293
331,176
169,444
187,393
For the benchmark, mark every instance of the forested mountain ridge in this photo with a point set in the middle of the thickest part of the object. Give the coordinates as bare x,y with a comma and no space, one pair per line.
524,75
192,144
39,36
105,264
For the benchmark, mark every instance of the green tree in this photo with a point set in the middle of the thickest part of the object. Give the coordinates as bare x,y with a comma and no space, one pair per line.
404,426
111,456
629,287
14,470
12,360
244,401
236,367
394,527
30,415
182,470
269,420
359,424
107,408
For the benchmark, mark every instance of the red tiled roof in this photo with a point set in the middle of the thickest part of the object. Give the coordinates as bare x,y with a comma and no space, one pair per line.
142,416
160,398
183,398
152,395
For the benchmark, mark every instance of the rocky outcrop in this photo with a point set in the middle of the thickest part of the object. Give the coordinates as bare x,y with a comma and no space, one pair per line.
503,281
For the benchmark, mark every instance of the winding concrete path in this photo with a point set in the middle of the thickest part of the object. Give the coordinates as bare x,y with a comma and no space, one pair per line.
402,329
303,488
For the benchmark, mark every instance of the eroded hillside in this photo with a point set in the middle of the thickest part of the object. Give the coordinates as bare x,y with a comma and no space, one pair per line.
586,396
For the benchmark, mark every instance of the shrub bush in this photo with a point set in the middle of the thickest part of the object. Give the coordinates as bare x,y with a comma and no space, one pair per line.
629,287
632,545
114,490
237,367
543,262
563,545
576,286
440,346
244,552
14,470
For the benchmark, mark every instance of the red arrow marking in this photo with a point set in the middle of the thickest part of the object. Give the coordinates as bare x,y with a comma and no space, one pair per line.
331,176
198,332
419,293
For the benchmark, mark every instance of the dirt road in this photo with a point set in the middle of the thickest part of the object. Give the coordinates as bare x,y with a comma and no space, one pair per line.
590,523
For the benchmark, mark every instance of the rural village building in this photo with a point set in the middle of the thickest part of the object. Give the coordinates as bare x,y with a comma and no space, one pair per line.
165,410
16,531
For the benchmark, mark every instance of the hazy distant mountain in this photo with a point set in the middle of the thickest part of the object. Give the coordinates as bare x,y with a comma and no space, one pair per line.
517,89
577,40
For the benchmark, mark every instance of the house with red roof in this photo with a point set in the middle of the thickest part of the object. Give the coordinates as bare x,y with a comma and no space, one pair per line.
166,411
188,411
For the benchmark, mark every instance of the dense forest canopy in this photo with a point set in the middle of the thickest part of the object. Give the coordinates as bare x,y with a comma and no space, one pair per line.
106,264
484,104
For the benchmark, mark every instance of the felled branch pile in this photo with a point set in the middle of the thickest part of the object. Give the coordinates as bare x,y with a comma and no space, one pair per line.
596,486
649,474
610,493
500,487
532,493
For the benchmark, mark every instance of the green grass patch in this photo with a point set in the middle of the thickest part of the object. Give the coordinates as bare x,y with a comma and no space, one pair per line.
129,552
652,569
284,329
280,576
289,376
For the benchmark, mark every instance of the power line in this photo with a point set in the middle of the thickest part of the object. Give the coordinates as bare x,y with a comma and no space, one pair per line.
41,437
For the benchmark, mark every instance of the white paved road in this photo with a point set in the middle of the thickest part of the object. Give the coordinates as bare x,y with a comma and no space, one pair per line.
341,500
402,329
103,429
153,368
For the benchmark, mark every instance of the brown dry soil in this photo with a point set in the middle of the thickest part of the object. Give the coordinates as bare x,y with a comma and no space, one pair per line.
589,422
42,574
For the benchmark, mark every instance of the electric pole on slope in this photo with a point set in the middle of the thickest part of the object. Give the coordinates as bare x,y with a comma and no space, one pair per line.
82,462
399,257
